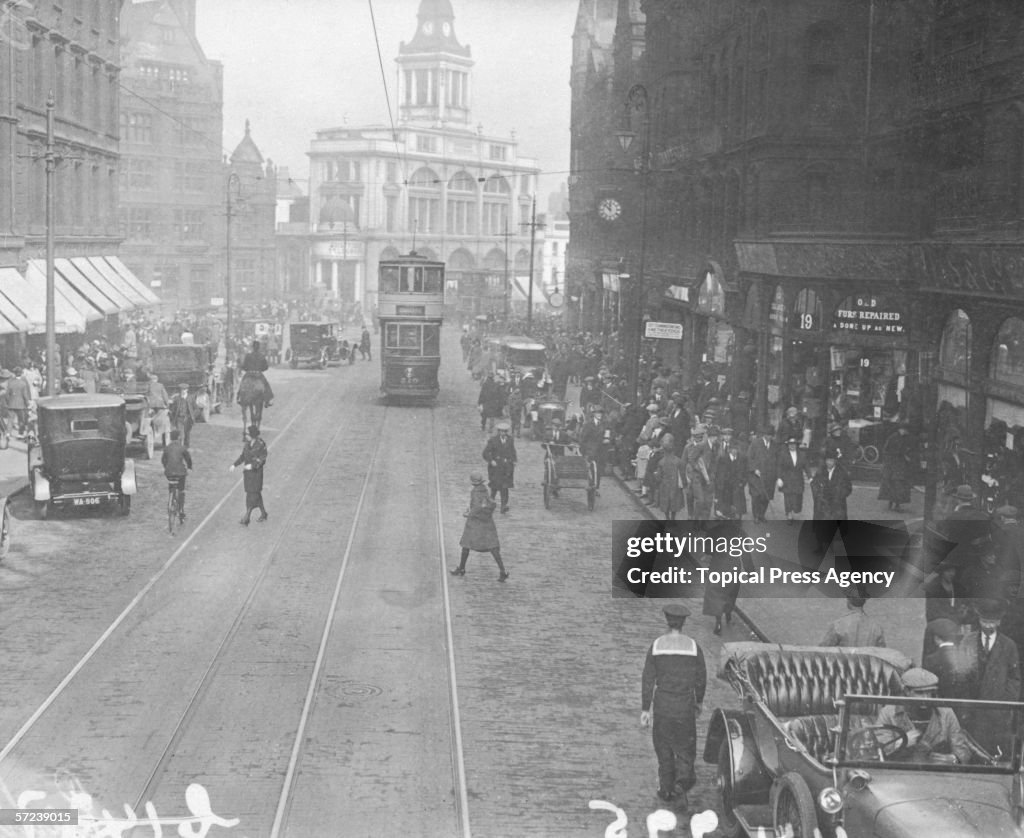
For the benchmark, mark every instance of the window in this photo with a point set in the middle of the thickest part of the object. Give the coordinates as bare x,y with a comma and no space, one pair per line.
524,184
391,172
140,174
424,214
497,152
140,223
954,346
461,216
137,128
1008,353
189,225
199,283
189,176
426,143
167,34
391,213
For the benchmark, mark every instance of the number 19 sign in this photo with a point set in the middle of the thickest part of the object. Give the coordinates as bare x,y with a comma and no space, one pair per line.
663,331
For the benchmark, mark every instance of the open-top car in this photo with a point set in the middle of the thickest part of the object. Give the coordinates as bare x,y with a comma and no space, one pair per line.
79,457
313,343
825,743
185,363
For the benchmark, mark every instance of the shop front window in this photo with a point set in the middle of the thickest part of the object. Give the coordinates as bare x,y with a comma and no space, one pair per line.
807,311
774,371
1008,353
711,297
955,343
777,311
867,383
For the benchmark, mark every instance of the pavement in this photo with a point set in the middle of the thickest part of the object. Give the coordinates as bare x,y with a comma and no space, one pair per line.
14,467
769,613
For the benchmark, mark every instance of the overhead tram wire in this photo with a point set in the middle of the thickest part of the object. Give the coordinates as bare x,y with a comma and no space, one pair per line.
387,98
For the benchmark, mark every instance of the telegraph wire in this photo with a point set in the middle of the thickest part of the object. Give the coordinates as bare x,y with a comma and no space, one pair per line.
387,97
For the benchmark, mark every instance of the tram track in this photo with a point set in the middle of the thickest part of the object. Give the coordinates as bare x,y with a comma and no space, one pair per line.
296,535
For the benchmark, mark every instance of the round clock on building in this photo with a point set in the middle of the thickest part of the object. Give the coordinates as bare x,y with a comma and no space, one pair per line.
428,28
609,209
446,28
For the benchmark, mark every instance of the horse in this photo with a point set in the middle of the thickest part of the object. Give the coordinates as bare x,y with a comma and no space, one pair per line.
251,396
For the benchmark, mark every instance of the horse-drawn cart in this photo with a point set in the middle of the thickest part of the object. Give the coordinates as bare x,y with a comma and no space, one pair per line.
568,471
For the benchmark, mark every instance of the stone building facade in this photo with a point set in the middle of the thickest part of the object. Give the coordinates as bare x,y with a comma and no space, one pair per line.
172,180
833,206
434,183
71,49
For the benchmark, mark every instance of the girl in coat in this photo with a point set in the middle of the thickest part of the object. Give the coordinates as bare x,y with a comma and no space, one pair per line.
479,534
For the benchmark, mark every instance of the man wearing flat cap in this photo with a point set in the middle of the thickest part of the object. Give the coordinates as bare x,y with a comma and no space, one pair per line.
992,672
592,440
674,680
930,729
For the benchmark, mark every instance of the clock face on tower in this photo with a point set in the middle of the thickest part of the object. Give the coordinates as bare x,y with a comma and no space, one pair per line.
446,28
609,209
428,28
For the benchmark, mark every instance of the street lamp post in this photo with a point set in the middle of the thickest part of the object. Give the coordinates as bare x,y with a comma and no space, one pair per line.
236,181
52,371
637,100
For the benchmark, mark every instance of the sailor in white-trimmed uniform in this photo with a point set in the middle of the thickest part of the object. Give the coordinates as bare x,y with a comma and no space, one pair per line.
674,681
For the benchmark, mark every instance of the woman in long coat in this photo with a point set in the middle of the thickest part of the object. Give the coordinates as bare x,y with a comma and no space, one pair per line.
479,534
252,459
668,477
792,471
897,454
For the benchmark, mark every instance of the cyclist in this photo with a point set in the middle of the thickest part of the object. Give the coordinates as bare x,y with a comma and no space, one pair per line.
177,463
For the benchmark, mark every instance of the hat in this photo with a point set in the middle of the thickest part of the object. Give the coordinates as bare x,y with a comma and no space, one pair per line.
834,426
699,430
6,374
1005,511
597,409
727,431
791,411
555,421
676,395
964,492
944,629
768,430
713,430
991,609
504,426
916,678
793,438
676,611
254,431
652,408
183,386
476,478
833,454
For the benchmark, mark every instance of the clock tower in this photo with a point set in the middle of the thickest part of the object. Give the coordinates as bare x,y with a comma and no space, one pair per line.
434,69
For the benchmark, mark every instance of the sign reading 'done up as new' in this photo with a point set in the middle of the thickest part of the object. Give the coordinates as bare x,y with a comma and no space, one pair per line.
869,315
663,331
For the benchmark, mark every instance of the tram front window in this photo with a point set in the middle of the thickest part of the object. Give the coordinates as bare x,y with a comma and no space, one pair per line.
412,279
389,279
431,340
432,279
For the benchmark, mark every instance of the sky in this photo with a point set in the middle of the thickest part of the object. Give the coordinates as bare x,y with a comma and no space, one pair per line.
292,67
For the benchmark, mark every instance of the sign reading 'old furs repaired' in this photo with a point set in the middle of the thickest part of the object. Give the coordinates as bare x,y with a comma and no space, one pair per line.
868,315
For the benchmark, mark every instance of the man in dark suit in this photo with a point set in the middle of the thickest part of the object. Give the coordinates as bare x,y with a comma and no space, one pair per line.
992,669
761,459
946,659
831,487
591,439
730,480
792,474
500,454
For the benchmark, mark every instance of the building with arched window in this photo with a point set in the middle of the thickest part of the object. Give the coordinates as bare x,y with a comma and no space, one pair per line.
435,183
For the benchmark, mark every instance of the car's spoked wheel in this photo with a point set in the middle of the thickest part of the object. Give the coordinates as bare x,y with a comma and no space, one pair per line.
795,814
727,823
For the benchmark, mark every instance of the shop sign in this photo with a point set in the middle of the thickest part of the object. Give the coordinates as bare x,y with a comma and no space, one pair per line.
663,331
867,315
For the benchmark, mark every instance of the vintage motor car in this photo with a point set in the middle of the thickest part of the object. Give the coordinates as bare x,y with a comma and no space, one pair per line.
185,363
314,343
79,458
826,744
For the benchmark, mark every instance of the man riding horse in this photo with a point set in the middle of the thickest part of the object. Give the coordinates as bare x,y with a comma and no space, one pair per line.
254,382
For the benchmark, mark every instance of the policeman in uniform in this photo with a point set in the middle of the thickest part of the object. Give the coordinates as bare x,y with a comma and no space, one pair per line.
674,681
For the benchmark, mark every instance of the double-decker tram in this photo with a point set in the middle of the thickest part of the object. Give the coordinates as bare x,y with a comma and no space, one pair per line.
411,310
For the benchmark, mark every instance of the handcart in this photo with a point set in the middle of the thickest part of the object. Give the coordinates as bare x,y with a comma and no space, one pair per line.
569,470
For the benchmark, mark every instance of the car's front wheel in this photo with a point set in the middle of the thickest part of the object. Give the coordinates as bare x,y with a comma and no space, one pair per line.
793,807
727,823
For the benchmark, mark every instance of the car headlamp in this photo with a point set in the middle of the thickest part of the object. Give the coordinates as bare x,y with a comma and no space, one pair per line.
830,800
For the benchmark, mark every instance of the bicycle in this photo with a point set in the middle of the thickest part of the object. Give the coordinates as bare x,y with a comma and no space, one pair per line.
175,514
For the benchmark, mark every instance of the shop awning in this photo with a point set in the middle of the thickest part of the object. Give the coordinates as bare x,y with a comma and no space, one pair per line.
86,289
122,271
30,297
119,282
12,318
69,307
123,300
